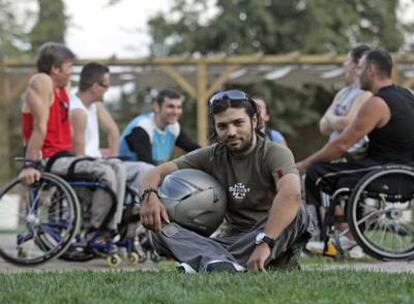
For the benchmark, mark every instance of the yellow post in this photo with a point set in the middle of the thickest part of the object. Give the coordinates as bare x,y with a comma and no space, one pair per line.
4,128
202,108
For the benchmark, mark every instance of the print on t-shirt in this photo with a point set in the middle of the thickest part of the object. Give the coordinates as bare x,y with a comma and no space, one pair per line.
239,190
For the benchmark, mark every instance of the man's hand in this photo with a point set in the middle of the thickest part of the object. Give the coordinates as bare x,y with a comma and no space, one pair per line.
259,257
302,167
152,212
29,175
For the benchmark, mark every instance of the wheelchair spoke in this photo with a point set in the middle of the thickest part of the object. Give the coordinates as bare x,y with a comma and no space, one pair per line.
401,241
59,212
384,233
35,200
368,216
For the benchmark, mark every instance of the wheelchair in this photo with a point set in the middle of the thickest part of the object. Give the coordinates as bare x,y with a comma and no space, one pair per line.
379,211
47,222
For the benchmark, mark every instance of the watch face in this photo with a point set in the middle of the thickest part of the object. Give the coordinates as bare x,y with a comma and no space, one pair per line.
259,238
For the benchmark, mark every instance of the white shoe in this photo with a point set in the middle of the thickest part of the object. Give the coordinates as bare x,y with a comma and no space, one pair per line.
227,266
316,247
356,252
185,268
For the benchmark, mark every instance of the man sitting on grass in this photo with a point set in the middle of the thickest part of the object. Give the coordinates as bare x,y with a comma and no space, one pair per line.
265,220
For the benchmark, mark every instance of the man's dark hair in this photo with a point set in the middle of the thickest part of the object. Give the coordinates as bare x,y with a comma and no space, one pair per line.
359,51
167,93
52,54
248,105
91,73
266,104
382,60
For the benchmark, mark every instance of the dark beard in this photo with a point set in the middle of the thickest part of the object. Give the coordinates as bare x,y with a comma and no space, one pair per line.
243,149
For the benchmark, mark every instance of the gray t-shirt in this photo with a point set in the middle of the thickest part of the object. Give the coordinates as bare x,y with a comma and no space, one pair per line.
250,181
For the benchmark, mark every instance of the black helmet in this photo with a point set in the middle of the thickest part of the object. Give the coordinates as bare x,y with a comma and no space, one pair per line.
194,199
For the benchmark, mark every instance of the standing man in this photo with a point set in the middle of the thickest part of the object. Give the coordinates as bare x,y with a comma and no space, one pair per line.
152,137
47,133
387,118
265,224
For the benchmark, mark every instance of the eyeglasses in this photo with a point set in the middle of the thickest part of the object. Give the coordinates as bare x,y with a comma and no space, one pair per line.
233,95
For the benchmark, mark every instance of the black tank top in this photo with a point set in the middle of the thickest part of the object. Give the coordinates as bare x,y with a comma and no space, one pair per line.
395,141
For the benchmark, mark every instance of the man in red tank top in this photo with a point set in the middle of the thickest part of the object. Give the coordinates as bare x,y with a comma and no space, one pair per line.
45,120
47,134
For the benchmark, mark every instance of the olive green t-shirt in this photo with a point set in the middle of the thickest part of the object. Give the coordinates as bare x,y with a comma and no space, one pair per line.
249,180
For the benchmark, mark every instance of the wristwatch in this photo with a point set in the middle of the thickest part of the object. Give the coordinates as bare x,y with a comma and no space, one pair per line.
264,238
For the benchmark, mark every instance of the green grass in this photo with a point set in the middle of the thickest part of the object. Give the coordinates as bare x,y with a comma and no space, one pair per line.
313,286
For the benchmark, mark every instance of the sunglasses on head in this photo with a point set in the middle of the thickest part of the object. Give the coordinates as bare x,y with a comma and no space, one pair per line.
233,95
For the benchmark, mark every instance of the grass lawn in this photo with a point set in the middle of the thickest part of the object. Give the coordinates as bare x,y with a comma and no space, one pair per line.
166,286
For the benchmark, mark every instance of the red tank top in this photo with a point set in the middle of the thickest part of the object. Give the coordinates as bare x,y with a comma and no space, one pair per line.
59,133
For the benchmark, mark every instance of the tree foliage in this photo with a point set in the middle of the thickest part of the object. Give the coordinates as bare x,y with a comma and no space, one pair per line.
240,27
51,23
23,29
12,36
276,26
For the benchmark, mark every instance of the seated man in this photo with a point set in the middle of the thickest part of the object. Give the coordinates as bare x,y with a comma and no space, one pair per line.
273,135
88,113
347,102
337,117
265,222
386,118
47,133
152,137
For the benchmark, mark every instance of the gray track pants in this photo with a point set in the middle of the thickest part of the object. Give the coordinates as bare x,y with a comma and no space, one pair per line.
197,251
110,171
116,174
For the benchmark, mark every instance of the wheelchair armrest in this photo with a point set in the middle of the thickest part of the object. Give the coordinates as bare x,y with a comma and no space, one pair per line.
79,177
393,166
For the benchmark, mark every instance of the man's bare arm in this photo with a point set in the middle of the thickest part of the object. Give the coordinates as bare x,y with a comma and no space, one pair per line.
325,124
37,100
110,128
374,113
283,211
339,123
78,120
152,210
285,205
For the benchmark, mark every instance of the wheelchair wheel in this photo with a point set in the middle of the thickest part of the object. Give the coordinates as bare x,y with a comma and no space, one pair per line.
380,213
37,222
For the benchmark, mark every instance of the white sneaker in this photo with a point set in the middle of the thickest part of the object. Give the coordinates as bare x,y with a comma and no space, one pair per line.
185,268
225,266
356,252
317,247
